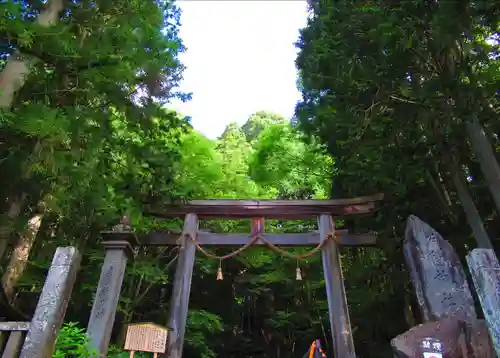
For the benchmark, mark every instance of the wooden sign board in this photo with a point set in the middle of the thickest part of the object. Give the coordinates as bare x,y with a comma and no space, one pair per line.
146,337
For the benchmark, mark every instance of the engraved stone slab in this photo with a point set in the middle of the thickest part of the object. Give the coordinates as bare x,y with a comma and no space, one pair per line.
485,271
102,316
436,272
146,337
52,304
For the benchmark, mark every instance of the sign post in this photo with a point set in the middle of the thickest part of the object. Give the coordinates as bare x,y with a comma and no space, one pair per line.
146,337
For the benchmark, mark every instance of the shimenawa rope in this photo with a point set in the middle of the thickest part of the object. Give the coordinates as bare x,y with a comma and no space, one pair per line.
253,240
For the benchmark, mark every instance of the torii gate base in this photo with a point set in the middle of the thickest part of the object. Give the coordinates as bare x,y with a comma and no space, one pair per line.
230,209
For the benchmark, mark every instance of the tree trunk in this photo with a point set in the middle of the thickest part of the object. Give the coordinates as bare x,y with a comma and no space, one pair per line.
473,217
7,227
437,183
18,66
486,157
19,257
13,212
12,78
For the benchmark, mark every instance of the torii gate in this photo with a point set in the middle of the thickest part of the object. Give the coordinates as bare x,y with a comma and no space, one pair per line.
120,243
324,210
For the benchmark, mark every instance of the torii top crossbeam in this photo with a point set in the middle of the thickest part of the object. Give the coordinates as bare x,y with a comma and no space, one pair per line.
270,209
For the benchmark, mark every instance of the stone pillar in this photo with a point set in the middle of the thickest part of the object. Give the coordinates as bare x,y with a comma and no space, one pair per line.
49,313
182,287
119,245
485,272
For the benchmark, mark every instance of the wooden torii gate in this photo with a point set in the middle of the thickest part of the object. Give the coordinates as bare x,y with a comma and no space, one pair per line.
323,210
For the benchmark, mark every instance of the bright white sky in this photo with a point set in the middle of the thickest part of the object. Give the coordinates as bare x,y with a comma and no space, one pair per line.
240,59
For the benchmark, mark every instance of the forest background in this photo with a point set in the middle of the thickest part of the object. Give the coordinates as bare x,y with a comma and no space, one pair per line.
396,98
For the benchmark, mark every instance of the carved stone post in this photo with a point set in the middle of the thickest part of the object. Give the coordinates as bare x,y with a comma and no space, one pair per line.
182,287
444,298
119,245
52,304
485,272
436,273
335,292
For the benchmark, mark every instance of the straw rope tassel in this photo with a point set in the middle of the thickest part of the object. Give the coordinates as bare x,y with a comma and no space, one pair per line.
298,273
219,272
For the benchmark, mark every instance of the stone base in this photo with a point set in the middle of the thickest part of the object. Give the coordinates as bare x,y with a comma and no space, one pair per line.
460,339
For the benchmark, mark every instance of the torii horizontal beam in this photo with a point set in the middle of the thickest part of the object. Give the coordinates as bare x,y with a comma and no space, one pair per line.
270,209
164,238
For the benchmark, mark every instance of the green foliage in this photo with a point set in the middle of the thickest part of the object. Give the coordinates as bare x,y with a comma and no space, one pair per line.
199,168
258,122
199,323
298,170
387,88
72,342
